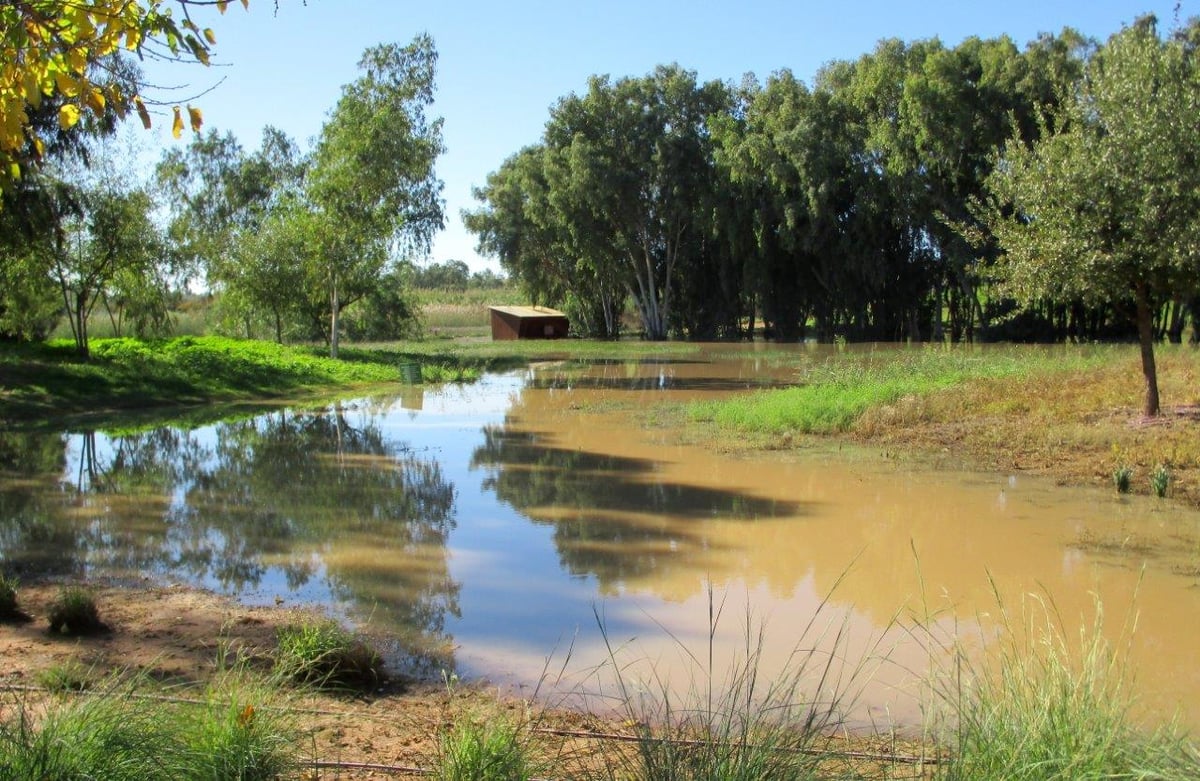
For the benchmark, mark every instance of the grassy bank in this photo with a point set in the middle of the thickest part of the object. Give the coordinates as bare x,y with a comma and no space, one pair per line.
49,380
1072,412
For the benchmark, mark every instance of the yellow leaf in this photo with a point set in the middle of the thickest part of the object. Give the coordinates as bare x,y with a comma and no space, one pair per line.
221,5
142,113
14,170
39,148
196,118
95,101
177,125
68,115
210,36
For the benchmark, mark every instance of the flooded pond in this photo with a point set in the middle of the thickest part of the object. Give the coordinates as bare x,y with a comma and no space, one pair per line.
524,528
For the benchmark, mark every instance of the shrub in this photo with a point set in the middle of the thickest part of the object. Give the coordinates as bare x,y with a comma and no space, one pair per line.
1122,477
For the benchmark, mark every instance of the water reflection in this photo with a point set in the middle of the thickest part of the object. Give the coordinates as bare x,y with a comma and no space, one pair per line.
484,525
257,503
614,517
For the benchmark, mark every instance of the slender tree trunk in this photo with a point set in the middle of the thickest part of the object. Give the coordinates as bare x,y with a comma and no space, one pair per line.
335,311
1145,326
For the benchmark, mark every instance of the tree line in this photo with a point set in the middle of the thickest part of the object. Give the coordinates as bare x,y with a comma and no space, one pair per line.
891,199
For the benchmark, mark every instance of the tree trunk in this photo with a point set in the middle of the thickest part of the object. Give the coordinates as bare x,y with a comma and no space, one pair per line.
1145,326
335,308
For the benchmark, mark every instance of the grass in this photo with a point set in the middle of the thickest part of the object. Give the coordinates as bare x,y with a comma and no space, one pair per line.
834,392
234,731
1044,707
323,653
74,612
487,749
738,724
10,609
48,380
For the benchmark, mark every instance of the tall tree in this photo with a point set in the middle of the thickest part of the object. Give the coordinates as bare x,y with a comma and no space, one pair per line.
372,186
630,169
1104,206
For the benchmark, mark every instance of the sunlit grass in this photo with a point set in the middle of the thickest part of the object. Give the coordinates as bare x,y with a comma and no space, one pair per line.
833,392
1043,705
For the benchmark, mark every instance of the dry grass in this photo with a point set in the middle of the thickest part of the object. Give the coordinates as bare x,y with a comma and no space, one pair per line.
1076,426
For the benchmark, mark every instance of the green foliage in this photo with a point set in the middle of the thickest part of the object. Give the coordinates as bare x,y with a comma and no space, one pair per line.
9,608
74,612
482,750
1160,480
237,731
1102,208
325,654
1122,478
371,186
1044,708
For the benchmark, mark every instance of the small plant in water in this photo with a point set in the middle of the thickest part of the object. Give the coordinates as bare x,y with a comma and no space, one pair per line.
1122,477
325,654
74,612
1160,480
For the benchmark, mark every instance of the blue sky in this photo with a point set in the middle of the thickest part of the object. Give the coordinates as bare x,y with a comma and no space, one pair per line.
502,65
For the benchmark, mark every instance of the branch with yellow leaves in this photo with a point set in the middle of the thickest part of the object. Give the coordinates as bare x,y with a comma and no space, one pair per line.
49,50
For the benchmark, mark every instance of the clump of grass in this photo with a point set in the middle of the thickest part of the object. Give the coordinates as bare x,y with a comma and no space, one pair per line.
240,730
483,750
1122,478
1044,709
9,608
69,676
74,612
323,653
740,725
1160,480
115,734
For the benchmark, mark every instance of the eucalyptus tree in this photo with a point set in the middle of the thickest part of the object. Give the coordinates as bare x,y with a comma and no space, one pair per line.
1103,206
629,166
372,188
531,237
221,199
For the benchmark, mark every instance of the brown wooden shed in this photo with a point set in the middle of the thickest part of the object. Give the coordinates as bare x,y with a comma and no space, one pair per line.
528,322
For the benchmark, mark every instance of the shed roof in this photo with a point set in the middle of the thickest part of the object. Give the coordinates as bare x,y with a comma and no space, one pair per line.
527,311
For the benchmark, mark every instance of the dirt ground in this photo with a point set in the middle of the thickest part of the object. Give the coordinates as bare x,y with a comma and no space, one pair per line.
176,634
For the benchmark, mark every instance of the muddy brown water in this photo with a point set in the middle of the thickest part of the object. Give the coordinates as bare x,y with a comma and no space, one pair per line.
535,529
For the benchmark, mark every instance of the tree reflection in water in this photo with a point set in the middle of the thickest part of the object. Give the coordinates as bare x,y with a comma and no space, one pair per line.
613,517
269,502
